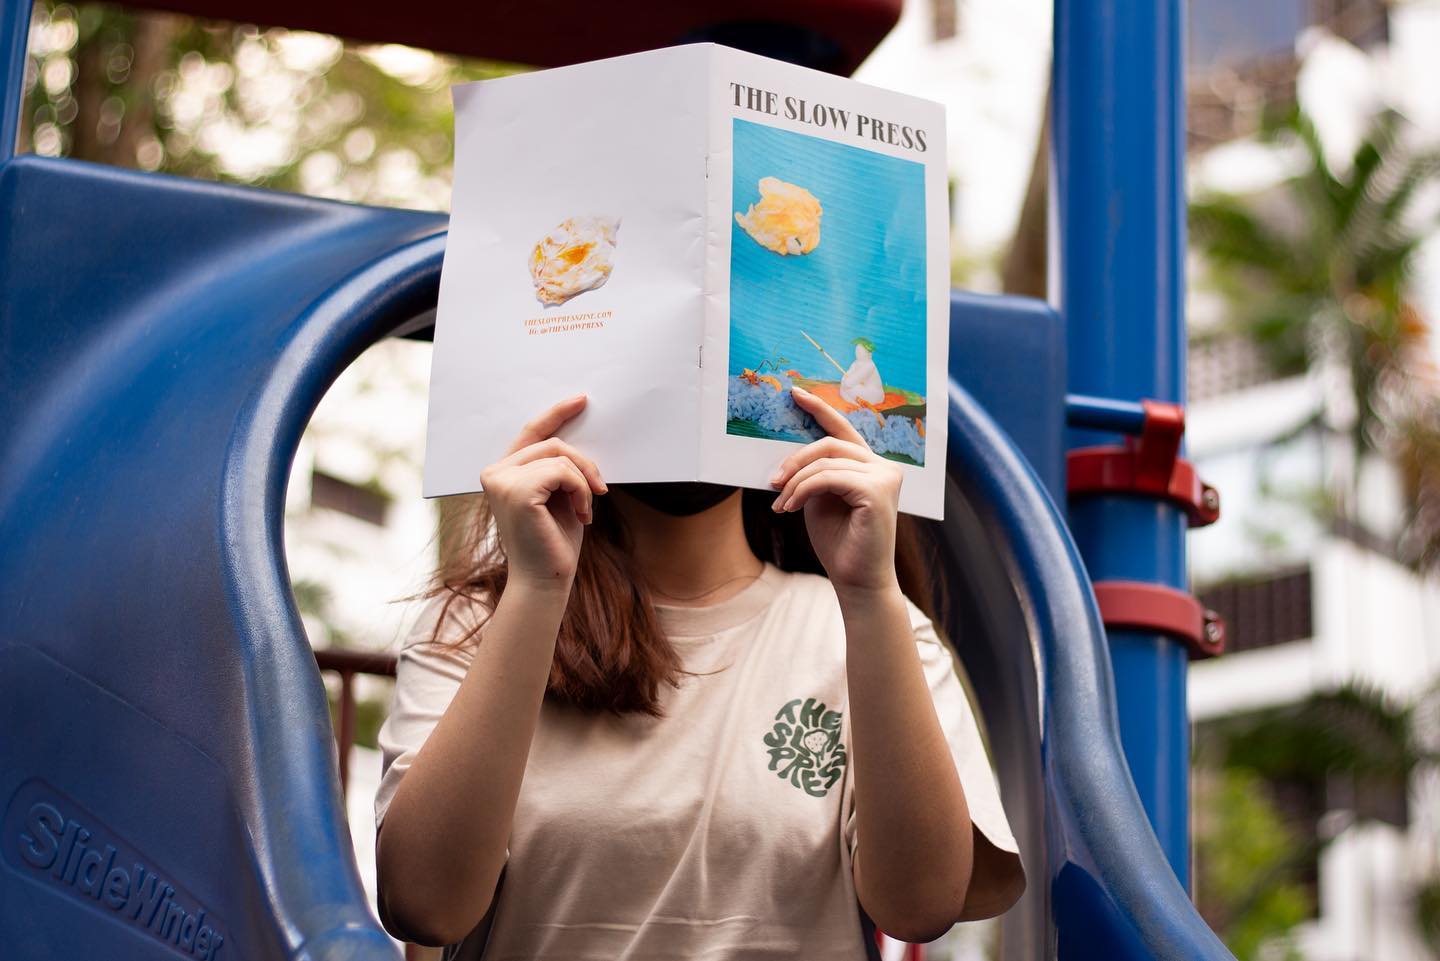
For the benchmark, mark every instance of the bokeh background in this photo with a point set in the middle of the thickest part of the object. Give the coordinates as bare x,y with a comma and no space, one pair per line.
1313,136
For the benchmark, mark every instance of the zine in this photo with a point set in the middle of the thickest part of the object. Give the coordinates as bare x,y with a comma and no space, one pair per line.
683,235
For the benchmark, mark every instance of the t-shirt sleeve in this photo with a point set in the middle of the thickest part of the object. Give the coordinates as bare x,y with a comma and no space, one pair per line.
426,679
998,878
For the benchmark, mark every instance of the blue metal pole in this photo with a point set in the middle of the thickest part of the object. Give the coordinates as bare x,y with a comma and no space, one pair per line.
14,34
1119,166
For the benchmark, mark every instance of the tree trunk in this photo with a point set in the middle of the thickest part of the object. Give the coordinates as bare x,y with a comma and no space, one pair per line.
90,89
1024,269
150,35
154,33
22,133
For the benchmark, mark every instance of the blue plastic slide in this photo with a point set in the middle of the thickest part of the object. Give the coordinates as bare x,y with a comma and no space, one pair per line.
167,765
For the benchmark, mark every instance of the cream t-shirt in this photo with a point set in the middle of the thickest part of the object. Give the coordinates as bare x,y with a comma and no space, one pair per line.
724,829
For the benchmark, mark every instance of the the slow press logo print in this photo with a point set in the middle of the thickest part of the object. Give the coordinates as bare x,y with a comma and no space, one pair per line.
805,746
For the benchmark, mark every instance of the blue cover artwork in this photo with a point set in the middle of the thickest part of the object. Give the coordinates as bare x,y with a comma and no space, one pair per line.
827,289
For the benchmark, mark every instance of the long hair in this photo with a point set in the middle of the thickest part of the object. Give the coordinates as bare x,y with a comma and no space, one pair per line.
610,653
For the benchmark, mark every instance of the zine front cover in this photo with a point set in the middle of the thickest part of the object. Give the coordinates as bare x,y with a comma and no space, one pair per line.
829,232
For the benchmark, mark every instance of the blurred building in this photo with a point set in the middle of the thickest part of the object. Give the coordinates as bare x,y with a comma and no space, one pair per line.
1304,565
1241,56
1310,607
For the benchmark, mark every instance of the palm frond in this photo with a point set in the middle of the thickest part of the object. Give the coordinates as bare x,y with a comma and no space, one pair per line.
1318,183
1368,159
1355,730
1230,232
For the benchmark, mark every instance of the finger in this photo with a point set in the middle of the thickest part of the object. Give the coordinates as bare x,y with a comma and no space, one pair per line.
548,422
848,485
824,447
829,419
553,446
810,470
559,474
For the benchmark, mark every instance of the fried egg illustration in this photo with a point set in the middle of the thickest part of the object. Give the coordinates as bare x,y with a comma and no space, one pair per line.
786,220
574,257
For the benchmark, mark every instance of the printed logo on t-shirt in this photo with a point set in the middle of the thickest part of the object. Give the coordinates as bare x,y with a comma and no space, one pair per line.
805,746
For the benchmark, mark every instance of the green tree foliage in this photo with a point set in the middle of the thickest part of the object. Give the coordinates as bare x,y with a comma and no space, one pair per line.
1427,912
1322,269
234,102
1245,885
1356,732
1351,752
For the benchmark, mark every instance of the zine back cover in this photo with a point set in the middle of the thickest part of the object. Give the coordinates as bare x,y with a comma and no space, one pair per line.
574,263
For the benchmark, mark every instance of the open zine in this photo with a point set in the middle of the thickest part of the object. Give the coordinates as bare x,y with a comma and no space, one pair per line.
682,235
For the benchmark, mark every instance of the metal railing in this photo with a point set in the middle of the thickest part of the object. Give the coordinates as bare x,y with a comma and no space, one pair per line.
347,664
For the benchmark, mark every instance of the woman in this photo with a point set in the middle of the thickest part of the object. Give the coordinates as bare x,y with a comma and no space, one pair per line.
661,743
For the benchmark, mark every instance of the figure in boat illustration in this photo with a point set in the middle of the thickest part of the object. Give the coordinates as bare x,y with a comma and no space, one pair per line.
891,419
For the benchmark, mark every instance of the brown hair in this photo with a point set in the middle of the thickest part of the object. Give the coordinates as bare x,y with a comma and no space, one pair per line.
610,654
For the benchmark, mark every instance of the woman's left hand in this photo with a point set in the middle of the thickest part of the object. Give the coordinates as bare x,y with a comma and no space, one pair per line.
850,495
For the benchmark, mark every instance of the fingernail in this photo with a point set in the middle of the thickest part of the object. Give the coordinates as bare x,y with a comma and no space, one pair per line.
786,508
798,389
775,480
776,506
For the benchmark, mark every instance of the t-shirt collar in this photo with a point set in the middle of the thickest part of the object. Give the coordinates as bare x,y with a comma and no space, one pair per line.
702,622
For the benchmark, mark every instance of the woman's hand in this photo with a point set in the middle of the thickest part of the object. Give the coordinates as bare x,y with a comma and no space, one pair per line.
850,495
540,495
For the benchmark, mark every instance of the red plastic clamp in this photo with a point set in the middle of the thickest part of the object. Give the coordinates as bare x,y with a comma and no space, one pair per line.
1150,464
1165,610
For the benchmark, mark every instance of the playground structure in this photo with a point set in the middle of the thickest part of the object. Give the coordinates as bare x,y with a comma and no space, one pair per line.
165,342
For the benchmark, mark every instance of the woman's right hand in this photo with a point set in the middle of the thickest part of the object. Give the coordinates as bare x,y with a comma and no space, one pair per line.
540,495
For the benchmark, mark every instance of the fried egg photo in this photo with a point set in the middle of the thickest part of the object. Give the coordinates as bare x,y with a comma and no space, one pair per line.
574,257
